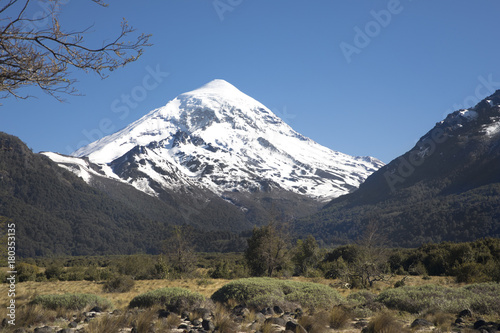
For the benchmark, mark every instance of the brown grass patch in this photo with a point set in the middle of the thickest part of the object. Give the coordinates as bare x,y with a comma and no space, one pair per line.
339,318
385,322
25,291
107,323
223,321
316,323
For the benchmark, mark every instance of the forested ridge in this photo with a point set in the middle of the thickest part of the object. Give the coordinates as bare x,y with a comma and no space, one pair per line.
446,188
57,213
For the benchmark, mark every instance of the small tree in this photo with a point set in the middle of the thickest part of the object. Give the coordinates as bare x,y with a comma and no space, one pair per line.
267,251
306,255
179,250
363,263
371,264
37,51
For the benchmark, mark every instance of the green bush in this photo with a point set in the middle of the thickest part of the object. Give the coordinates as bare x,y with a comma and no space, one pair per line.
26,272
119,284
264,292
221,271
94,273
480,298
54,272
73,274
71,301
172,298
362,297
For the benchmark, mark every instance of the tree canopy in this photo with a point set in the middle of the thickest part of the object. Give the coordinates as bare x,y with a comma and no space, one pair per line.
35,50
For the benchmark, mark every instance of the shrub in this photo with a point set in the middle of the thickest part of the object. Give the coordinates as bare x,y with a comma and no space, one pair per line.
31,314
481,298
221,271
119,284
73,274
144,320
138,266
172,321
265,292
384,323
338,318
442,320
470,272
175,299
223,321
108,323
362,297
316,323
26,272
71,301
54,272
364,303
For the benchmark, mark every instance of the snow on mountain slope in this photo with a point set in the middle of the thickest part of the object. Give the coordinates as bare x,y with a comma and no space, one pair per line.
81,167
221,139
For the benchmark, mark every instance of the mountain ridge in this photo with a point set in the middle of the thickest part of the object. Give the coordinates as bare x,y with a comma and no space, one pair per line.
447,187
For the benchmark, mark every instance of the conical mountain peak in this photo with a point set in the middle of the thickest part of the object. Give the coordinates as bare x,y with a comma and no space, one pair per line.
221,92
227,142
217,85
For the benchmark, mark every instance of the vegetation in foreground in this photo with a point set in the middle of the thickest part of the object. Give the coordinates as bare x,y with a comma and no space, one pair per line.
259,293
362,285
235,306
71,301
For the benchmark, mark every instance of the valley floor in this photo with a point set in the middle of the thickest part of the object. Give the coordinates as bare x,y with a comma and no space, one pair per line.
60,322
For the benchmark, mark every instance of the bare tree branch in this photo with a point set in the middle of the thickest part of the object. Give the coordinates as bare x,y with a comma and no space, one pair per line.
38,52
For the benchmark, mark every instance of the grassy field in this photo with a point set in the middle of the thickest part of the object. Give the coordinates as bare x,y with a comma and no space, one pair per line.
25,291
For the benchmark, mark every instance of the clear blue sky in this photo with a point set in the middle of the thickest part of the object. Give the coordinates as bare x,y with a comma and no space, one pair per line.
370,93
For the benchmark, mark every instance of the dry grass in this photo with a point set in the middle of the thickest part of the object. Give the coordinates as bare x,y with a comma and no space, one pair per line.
223,321
25,291
316,323
28,315
268,328
385,322
339,318
145,319
172,321
441,320
107,323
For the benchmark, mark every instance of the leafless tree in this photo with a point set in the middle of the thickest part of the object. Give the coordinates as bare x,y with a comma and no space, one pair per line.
179,249
37,51
371,264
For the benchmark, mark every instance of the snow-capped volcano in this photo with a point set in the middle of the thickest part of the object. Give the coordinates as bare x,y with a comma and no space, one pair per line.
221,139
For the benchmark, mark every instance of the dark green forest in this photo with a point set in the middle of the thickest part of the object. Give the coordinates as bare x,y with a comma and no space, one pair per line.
446,188
414,218
56,213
